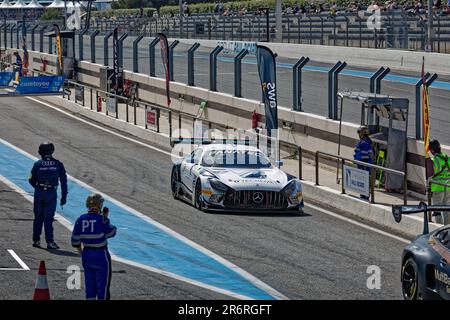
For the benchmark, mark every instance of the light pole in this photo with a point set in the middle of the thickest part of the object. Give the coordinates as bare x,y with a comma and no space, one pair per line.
429,47
180,4
279,27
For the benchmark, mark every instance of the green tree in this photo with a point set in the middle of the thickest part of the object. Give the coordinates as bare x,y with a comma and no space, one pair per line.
130,4
51,14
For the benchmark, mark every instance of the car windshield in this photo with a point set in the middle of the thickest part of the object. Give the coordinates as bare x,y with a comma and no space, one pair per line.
235,159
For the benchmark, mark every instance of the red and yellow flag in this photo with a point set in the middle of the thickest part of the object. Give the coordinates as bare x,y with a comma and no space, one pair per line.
425,112
426,123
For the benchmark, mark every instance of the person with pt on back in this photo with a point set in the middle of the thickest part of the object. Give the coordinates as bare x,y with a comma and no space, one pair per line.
89,236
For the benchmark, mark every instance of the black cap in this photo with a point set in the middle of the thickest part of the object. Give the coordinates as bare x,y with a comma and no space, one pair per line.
46,149
434,145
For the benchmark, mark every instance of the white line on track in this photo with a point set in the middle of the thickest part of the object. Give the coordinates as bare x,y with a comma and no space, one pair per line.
359,224
168,153
252,279
19,261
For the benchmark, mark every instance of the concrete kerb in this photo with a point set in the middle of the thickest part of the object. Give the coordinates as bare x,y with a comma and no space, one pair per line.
379,215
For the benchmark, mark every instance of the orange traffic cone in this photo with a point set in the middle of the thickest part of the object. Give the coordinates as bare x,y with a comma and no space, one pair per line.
41,292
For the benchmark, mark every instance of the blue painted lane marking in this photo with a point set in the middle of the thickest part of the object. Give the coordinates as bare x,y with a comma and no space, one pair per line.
348,72
138,239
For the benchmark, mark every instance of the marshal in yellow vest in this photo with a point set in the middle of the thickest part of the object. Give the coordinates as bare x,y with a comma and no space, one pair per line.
441,166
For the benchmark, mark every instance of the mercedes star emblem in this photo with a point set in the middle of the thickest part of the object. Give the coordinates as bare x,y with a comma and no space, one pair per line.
258,197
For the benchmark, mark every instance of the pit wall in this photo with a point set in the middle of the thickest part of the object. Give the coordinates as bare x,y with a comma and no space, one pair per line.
311,132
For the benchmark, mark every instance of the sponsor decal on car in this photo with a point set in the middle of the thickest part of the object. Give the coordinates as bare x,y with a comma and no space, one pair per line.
442,277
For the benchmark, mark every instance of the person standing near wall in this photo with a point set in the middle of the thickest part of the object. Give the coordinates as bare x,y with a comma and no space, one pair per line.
440,194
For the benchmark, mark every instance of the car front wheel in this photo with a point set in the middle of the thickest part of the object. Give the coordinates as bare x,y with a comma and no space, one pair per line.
199,204
174,182
409,280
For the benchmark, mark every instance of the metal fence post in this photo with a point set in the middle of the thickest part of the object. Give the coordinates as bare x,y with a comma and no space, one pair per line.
238,72
171,48
11,35
191,63
106,47
300,162
213,68
135,53
151,51
120,45
373,78
81,44
335,89
41,39
429,80
317,167
18,37
375,87
5,34
33,37
330,88
297,83
92,36
50,45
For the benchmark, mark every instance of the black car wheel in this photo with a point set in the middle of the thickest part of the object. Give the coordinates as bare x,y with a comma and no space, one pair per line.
409,280
198,197
174,182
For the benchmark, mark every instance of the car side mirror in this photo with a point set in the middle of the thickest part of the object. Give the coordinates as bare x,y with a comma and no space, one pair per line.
189,159
279,163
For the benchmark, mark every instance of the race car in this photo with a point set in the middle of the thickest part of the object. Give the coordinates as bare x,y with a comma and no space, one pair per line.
234,177
425,272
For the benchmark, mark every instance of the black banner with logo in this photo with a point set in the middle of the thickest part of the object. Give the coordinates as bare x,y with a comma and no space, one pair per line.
116,70
165,59
267,75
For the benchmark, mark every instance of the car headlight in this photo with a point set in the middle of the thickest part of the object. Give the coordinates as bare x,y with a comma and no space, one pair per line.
218,186
290,188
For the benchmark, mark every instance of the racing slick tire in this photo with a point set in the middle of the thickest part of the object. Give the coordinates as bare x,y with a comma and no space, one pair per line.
174,180
409,279
198,201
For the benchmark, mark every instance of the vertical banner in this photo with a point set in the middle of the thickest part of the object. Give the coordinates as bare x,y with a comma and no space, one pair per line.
165,59
58,46
25,60
116,60
267,75
426,123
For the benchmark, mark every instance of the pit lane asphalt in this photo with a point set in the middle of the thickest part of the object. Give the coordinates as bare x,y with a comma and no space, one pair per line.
304,257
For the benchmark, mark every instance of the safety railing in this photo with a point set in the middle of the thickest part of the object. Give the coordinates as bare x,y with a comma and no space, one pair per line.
373,168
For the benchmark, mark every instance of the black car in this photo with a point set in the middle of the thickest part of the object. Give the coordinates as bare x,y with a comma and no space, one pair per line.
425,270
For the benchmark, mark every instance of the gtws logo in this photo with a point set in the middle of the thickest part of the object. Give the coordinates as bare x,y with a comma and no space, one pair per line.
270,92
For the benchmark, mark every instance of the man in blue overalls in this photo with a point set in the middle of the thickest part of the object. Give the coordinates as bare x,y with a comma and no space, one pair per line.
364,151
44,179
92,231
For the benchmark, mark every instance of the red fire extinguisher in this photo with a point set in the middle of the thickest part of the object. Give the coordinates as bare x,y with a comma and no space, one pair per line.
99,104
254,120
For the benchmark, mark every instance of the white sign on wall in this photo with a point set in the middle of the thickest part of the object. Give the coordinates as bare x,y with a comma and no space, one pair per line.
111,104
357,180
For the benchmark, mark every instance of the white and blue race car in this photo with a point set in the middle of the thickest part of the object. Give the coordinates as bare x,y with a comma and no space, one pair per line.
225,177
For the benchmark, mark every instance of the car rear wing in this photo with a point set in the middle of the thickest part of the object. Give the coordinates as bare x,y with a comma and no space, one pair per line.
197,141
398,211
